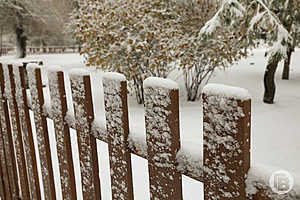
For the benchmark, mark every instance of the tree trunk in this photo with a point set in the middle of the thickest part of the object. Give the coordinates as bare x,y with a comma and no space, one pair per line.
286,67
193,92
21,42
269,81
1,41
139,90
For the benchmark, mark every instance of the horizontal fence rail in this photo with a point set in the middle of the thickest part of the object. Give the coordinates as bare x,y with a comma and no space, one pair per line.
7,50
53,49
41,50
226,135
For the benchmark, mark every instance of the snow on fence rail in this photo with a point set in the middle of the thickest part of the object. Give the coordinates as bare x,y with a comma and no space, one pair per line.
226,122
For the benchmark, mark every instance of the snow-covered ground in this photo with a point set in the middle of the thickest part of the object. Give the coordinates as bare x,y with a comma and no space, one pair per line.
275,128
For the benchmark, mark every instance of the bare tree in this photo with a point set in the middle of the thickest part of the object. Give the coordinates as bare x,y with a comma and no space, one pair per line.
24,17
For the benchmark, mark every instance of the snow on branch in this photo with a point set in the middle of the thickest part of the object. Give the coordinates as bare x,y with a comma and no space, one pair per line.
264,18
232,5
256,19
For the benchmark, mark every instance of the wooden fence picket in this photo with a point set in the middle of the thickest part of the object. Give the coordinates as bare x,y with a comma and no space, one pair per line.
21,99
4,183
8,140
2,190
62,133
17,132
37,101
1,171
226,133
83,107
115,98
5,192
163,139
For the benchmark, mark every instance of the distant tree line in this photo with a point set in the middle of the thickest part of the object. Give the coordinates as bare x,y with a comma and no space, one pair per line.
36,22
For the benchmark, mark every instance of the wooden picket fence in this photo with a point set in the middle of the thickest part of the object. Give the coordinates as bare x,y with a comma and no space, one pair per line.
226,138
6,50
42,50
53,49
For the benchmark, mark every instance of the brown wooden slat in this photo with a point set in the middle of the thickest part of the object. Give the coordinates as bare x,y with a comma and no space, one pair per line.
5,192
21,97
8,140
163,141
62,133
226,135
17,132
2,185
115,98
83,107
37,99
4,181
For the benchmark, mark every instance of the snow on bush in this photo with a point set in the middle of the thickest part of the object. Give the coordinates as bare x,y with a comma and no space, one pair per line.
143,38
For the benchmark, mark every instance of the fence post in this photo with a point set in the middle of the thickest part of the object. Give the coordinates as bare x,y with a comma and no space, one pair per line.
4,183
83,107
10,92
21,99
115,98
163,139
5,192
37,101
8,140
226,134
62,132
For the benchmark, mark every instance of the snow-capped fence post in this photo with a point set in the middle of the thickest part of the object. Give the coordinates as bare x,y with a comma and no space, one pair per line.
8,141
163,139
62,132
10,93
115,98
37,103
226,133
84,116
21,99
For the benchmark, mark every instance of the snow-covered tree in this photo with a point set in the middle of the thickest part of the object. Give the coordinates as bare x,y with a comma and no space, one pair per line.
127,36
276,19
142,38
198,55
